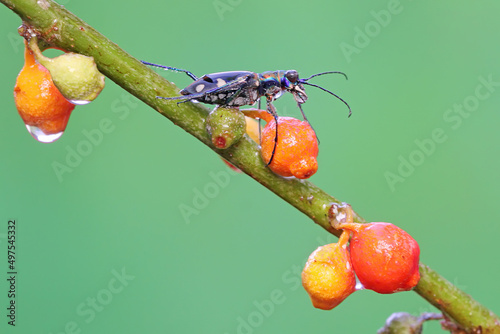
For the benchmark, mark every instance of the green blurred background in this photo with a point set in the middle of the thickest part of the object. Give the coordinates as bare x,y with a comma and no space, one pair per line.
411,66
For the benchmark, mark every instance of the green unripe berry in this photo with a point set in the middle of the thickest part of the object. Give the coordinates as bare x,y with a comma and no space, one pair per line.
76,76
226,126
405,323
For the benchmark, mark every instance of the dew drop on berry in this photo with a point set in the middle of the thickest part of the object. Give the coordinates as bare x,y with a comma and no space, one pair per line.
359,286
79,102
39,135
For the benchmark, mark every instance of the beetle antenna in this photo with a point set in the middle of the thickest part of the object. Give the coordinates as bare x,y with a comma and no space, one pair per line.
332,72
191,75
326,90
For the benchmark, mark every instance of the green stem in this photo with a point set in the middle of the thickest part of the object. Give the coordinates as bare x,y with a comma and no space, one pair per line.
464,309
58,27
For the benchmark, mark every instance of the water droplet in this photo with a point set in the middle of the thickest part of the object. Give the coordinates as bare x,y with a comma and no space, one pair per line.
39,135
79,102
359,286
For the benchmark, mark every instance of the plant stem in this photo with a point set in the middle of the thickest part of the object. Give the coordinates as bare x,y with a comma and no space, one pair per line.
441,293
58,27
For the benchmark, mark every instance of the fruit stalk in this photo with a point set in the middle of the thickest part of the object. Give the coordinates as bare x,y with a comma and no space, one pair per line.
60,28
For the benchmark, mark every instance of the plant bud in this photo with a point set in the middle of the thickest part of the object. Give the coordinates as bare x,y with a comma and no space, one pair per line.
226,126
75,75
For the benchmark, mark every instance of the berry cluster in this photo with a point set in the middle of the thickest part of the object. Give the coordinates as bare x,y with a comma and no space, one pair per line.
384,258
47,90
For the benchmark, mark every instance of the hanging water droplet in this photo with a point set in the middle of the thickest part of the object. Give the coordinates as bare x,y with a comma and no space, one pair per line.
42,137
79,102
359,286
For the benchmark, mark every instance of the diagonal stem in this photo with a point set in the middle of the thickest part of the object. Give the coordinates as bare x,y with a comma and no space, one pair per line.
58,27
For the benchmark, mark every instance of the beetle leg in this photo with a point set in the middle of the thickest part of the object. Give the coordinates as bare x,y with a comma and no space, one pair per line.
191,75
305,119
185,98
235,95
260,129
272,110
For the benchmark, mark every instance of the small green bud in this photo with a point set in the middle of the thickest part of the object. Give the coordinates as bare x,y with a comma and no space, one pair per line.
226,126
402,323
75,75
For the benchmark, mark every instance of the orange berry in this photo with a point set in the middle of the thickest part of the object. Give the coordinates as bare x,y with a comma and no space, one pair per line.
55,125
38,101
385,258
297,147
328,276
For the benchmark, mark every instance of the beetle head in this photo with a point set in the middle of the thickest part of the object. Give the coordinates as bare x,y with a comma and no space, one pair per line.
293,84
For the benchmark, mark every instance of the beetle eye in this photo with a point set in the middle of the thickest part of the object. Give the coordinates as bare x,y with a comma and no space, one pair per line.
292,76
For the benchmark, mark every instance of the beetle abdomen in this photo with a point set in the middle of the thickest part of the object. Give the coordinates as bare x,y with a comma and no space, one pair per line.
229,88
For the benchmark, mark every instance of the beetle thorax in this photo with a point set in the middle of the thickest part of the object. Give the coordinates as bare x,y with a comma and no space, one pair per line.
270,85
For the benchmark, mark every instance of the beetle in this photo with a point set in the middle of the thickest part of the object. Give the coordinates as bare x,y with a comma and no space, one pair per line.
240,88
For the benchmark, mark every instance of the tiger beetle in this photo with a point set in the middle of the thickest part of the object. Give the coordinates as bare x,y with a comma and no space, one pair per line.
240,88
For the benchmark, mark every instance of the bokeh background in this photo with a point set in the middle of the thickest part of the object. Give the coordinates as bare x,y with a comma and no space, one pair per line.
104,247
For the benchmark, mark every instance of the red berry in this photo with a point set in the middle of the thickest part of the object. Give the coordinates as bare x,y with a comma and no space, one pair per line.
385,258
